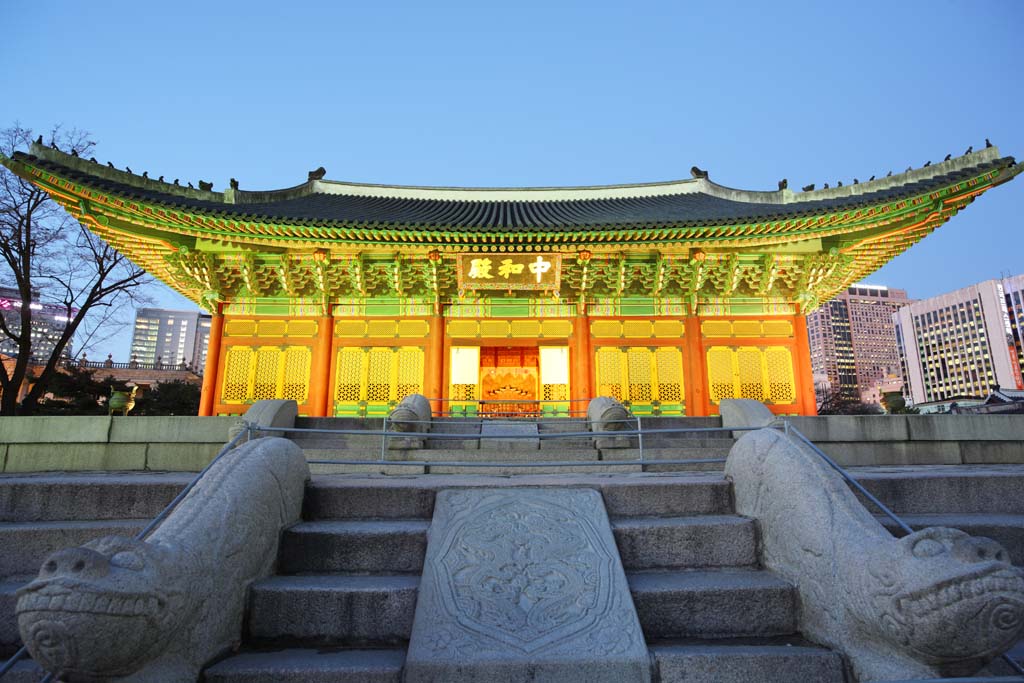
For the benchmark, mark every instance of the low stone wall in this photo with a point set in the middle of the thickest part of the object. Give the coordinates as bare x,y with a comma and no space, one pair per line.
43,444
917,439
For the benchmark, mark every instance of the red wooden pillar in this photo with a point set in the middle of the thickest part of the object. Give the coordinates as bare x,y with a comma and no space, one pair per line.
582,358
696,378
320,372
433,369
802,362
207,398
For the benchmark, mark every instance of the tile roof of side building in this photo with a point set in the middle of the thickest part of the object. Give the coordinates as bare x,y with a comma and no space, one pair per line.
683,203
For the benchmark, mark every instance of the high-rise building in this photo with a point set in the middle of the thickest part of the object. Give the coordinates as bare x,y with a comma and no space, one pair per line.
48,323
172,337
852,339
964,343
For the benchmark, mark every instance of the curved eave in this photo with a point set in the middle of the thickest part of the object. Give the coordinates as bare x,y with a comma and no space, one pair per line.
611,213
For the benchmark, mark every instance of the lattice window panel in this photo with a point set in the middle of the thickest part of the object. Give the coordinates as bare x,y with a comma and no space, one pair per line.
378,374
639,374
669,369
348,377
763,374
410,372
463,392
265,378
237,369
750,371
720,373
781,383
295,378
555,392
609,373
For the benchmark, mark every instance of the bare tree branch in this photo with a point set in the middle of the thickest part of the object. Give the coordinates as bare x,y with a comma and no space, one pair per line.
54,262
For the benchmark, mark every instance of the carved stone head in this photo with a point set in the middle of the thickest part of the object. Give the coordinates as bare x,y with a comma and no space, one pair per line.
948,599
102,609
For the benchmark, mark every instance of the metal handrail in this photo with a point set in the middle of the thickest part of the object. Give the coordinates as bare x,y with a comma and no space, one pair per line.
142,535
639,432
789,429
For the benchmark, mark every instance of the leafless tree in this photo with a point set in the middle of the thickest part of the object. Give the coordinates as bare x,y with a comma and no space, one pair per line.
53,260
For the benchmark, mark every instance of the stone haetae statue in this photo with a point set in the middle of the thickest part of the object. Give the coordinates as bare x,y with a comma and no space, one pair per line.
158,610
412,414
935,603
606,414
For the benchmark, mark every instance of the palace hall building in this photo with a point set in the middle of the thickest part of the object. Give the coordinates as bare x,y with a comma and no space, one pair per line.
668,296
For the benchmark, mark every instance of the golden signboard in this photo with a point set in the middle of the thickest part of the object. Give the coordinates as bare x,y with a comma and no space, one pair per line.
510,271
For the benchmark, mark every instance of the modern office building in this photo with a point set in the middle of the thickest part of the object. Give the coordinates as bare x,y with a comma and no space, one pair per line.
962,344
173,337
48,323
853,339
670,296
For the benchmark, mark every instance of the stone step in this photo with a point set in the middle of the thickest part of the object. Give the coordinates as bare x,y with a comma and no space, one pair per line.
25,671
430,455
1007,529
333,609
391,546
718,662
52,497
309,666
412,497
10,641
27,544
686,542
713,604
946,489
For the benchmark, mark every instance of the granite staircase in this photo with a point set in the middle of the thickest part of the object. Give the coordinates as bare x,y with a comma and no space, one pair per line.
342,605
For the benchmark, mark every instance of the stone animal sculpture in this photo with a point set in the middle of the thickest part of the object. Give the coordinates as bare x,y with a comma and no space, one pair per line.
935,603
606,414
119,609
412,414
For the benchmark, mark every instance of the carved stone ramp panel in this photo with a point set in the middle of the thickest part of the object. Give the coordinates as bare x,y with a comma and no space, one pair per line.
524,585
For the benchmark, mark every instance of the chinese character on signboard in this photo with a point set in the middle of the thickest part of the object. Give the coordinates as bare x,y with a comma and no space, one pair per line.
509,271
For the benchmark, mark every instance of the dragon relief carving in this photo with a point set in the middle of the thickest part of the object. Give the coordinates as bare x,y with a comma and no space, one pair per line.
525,579
158,610
935,603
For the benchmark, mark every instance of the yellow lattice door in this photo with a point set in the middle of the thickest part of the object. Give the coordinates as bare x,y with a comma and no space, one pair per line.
649,379
669,371
264,382
266,372
781,383
348,375
721,378
238,362
295,373
610,373
378,374
638,371
370,381
759,373
410,372
749,367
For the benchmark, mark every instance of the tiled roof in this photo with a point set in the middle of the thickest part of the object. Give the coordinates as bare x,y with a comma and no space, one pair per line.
685,203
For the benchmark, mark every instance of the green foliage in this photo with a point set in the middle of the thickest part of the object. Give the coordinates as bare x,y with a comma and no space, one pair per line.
76,391
835,403
895,404
170,398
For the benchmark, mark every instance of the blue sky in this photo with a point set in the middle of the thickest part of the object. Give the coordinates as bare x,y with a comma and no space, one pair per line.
530,93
